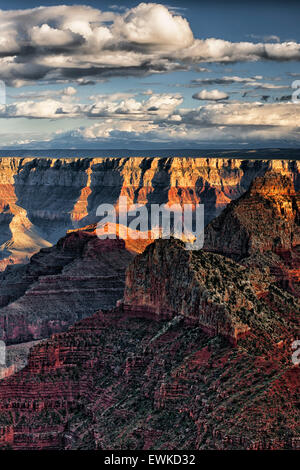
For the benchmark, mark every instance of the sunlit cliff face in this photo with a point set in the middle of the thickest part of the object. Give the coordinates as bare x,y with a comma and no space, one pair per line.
69,192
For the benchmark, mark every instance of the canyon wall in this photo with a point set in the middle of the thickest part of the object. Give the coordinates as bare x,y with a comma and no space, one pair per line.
42,198
266,218
261,230
168,280
196,356
61,285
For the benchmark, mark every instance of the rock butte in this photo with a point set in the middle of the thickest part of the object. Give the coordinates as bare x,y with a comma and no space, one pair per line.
147,375
262,229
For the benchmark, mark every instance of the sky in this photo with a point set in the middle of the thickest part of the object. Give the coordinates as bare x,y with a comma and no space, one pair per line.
192,74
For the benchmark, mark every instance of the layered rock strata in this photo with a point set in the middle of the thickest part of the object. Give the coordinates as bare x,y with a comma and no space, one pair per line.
262,229
146,375
42,198
196,356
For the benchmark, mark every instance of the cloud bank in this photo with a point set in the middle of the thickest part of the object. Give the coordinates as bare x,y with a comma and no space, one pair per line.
211,95
125,118
62,44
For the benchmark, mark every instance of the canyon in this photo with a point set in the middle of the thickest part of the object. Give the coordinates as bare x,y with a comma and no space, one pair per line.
194,354
78,275
42,198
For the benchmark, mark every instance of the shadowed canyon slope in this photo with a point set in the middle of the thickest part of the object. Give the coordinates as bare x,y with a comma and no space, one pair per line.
147,375
40,198
61,285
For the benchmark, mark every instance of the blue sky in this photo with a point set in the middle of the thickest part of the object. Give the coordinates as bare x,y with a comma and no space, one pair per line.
152,75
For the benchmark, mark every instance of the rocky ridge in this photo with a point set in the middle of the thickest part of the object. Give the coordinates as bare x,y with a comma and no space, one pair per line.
196,356
62,284
262,229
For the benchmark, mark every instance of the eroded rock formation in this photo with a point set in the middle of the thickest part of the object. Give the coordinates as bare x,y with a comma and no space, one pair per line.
42,198
62,284
262,229
197,355
143,377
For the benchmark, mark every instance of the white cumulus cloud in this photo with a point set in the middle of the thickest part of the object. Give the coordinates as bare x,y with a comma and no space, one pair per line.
212,95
